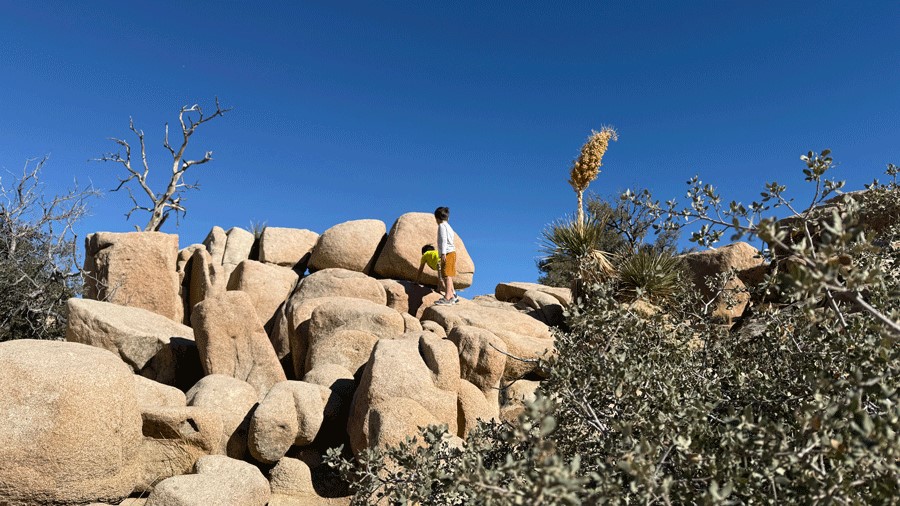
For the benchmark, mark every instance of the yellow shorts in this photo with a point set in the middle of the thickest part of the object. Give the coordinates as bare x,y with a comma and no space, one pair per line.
448,266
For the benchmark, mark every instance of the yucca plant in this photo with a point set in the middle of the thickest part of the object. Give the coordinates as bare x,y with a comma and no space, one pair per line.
575,247
586,168
256,228
649,274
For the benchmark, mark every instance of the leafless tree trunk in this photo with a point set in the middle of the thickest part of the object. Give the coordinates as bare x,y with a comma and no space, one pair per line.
162,204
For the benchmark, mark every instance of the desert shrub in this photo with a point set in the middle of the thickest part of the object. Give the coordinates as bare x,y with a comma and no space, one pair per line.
799,403
500,464
787,409
38,255
630,226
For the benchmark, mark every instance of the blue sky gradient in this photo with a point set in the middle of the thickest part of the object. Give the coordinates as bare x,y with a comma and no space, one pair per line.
369,110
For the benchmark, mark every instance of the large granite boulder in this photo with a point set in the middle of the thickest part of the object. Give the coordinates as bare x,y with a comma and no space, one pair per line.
406,296
218,480
349,349
185,255
232,341
295,328
185,268
237,248
151,394
287,247
207,278
403,251
440,355
342,331
341,384
352,245
136,269
142,339
70,425
360,314
215,244
293,478
267,285
473,407
233,400
514,396
738,256
543,306
397,394
340,283
291,414
525,337
482,358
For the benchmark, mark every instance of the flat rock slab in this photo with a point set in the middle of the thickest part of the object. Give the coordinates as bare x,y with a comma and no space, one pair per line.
141,338
515,290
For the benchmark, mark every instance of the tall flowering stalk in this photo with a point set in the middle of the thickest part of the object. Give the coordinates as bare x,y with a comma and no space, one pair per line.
586,168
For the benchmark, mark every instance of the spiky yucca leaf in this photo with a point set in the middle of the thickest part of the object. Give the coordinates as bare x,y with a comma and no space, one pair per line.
575,247
648,274
569,239
257,228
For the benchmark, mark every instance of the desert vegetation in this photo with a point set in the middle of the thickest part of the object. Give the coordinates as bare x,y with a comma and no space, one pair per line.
773,381
39,261
795,401
161,204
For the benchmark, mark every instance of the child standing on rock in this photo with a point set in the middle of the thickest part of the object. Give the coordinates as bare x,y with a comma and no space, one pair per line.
447,252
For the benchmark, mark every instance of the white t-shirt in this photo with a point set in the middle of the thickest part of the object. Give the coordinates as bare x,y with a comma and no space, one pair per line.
445,239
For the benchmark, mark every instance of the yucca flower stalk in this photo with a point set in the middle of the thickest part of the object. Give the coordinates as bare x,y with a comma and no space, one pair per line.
586,168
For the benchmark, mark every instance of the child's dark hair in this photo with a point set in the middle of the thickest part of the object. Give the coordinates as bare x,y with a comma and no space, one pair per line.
442,213
427,248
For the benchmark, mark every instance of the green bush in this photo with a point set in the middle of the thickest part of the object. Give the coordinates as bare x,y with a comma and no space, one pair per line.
499,464
799,403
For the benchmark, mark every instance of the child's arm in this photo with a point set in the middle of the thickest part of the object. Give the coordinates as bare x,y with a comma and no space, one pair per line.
419,274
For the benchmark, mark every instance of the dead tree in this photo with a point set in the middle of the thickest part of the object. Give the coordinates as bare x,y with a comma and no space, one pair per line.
39,267
162,204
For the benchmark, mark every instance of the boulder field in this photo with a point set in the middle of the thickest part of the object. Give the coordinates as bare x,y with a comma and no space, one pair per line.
220,373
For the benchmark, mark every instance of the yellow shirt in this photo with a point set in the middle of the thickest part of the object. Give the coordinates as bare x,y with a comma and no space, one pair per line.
432,259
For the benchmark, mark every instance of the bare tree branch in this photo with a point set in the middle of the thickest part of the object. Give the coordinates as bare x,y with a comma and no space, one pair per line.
170,200
39,266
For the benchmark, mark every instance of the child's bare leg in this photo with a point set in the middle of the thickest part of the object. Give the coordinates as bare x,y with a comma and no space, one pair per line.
450,293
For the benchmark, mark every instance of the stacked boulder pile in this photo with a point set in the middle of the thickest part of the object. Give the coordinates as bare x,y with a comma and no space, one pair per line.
221,372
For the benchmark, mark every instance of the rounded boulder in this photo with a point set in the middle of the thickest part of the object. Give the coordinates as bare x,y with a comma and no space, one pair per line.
69,423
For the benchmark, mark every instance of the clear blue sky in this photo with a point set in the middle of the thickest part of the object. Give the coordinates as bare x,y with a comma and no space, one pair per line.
346,110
